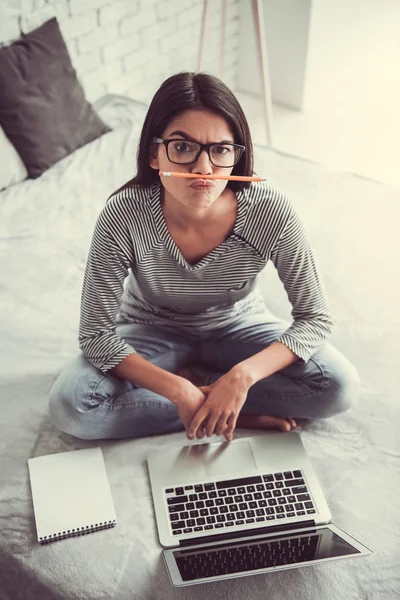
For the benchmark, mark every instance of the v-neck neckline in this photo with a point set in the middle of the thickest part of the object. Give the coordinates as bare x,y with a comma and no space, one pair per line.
155,203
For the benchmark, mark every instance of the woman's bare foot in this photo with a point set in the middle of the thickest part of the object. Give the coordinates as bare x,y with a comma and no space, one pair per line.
265,422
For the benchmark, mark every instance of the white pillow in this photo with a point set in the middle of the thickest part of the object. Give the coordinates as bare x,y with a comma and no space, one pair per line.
12,169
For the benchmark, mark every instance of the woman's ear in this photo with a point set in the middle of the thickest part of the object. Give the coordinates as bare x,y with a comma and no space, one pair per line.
154,156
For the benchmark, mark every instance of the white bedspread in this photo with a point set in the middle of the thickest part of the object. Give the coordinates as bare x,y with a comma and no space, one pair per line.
45,231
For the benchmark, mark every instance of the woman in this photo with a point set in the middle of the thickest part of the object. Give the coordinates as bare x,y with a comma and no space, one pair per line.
195,248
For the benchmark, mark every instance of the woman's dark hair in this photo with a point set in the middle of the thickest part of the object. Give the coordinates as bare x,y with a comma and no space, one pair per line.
185,91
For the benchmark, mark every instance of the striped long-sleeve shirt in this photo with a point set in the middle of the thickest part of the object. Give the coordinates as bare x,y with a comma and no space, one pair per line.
131,239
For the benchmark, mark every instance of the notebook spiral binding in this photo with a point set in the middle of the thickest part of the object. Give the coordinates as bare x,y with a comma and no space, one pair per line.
62,535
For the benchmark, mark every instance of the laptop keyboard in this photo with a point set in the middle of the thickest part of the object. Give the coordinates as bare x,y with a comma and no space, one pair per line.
223,504
245,557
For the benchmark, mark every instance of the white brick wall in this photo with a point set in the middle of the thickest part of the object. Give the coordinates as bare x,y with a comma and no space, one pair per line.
75,27
98,38
130,46
9,29
116,11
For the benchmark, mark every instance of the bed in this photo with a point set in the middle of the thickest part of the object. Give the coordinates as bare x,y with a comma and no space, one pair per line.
45,232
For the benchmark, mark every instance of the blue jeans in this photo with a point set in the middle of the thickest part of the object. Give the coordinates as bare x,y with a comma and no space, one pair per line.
90,405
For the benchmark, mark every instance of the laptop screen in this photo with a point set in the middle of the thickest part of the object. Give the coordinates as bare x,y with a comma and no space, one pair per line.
270,552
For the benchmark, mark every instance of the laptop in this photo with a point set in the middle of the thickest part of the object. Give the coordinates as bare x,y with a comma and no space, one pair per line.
250,506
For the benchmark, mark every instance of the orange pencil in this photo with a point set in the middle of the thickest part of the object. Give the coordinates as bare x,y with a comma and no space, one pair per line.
198,176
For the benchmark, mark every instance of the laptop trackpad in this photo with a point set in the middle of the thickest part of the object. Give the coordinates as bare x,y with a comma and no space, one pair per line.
223,459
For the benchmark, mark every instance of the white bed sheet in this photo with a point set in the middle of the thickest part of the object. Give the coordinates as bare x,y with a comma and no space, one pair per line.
45,232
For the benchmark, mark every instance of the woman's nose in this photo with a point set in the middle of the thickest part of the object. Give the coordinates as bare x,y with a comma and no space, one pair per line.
203,165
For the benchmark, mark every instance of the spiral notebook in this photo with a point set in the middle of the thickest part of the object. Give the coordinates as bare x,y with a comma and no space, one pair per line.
71,494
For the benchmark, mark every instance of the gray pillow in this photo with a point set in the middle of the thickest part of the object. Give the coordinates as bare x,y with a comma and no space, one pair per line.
43,109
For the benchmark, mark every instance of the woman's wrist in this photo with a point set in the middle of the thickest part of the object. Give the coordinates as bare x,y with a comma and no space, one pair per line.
178,390
242,376
143,373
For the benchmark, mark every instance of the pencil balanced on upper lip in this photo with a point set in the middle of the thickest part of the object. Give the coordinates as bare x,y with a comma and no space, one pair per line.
198,176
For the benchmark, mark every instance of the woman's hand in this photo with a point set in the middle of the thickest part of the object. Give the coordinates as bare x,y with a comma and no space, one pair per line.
188,402
219,413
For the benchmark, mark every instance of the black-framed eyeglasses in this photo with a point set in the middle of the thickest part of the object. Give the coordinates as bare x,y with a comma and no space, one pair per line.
186,152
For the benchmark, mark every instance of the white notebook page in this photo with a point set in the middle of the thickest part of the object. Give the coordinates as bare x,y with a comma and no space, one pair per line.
70,490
